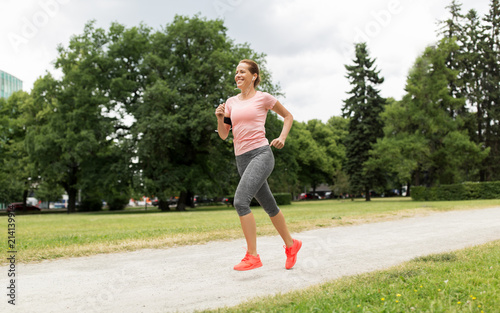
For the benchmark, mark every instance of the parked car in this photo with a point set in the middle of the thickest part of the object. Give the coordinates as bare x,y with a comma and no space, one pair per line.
197,200
309,196
171,201
227,201
18,208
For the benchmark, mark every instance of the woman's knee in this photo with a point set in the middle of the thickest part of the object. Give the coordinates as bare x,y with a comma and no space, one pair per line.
242,207
272,212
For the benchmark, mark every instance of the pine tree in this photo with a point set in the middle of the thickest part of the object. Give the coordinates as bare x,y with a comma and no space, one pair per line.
471,72
491,82
452,27
365,124
453,30
476,62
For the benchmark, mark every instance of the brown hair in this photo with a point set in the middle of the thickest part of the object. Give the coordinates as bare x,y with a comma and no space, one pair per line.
253,67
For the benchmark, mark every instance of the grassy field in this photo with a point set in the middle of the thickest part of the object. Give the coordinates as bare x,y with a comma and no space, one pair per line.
51,236
462,281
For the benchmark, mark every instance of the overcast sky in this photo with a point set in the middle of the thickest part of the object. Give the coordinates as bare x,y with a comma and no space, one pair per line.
307,42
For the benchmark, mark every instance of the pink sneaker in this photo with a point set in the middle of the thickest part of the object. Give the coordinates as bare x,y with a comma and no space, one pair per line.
291,253
249,262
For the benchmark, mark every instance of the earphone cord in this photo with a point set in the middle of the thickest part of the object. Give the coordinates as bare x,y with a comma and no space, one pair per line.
248,89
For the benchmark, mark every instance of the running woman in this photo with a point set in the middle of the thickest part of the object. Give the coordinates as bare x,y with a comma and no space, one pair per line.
246,114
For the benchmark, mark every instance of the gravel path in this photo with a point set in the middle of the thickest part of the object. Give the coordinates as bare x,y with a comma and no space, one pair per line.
191,278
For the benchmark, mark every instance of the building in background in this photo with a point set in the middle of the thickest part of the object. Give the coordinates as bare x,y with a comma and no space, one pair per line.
9,84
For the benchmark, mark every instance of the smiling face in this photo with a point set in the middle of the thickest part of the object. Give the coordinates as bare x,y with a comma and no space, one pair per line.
243,77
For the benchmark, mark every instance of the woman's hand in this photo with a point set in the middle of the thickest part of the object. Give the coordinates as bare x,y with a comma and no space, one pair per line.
219,112
277,143
222,128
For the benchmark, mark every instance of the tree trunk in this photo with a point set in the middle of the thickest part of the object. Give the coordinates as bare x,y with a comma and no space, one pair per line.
70,187
185,200
72,193
416,177
163,205
367,193
25,197
479,117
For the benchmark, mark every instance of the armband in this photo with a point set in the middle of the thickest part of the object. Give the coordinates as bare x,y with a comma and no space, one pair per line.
227,120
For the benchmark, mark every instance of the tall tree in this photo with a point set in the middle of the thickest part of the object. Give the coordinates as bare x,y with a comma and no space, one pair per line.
490,83
472,67
476,61
73,138
453,29
423,142
363,109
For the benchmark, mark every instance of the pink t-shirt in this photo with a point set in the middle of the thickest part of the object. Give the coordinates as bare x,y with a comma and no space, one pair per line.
248,118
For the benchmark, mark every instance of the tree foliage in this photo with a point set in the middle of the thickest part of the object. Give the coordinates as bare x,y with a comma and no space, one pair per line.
423,139
363,109
75,139
16,172
476,61
490,82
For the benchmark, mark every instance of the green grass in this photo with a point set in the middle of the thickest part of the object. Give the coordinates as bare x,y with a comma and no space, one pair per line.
462,281
51,236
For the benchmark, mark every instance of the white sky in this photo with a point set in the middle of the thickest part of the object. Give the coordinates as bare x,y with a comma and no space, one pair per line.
307,42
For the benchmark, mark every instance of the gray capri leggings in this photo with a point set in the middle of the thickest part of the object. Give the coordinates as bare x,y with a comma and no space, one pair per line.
254,167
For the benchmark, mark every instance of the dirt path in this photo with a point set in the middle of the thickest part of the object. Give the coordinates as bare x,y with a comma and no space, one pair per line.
191,278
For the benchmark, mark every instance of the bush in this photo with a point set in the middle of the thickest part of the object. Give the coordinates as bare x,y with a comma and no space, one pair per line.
118,202
464,191
283,198
418,193
90,204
